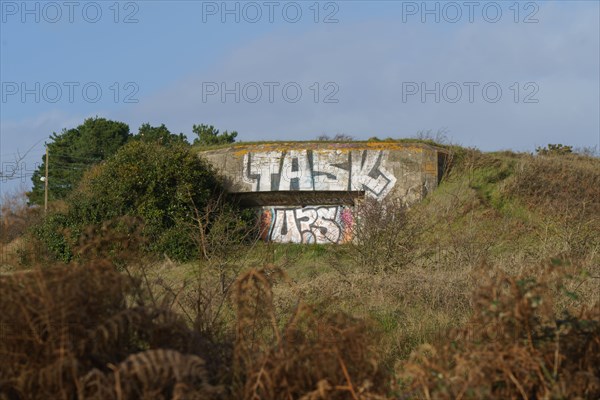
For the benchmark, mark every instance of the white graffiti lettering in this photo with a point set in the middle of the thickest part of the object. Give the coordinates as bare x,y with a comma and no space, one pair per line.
260,168
362,167
295,172
329,173
320,170
321,225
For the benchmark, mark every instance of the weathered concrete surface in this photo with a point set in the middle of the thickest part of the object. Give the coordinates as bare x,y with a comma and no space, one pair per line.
326,173
306,192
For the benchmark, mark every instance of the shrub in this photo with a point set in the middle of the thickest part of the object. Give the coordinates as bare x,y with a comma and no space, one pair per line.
88,332
62,329
160,185
383,236
514,346
308,356
554,150
54,232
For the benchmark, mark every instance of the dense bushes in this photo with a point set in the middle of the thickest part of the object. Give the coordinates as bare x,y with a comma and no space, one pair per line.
247,336
54,233
89,332
62,328
514,346
163,186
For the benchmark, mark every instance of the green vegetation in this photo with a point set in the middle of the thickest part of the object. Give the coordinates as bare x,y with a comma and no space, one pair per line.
73,151
486,289
160,134
153,176
222,145
554,149
144,180
208,135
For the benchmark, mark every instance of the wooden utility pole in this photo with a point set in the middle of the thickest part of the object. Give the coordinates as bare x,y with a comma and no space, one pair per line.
46,184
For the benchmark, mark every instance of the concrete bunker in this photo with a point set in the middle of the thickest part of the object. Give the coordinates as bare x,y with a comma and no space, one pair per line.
305,192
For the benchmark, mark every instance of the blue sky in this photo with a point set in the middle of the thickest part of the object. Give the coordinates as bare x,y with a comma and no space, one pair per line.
496,75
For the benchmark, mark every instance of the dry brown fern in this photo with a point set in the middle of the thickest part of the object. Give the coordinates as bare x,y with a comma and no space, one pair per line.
513,347
63,327
308,355
153,374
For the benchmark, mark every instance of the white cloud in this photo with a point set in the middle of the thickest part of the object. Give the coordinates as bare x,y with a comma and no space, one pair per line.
370,60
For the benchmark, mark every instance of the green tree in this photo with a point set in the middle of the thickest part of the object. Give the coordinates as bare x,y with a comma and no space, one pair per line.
159,134
209,136
72,152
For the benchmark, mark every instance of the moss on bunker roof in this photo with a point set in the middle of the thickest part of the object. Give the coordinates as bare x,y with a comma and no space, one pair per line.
275,145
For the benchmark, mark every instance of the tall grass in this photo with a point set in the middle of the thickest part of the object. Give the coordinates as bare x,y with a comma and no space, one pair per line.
487,289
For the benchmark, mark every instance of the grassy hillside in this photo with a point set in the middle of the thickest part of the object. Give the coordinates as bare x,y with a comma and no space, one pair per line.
487,289
494,213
